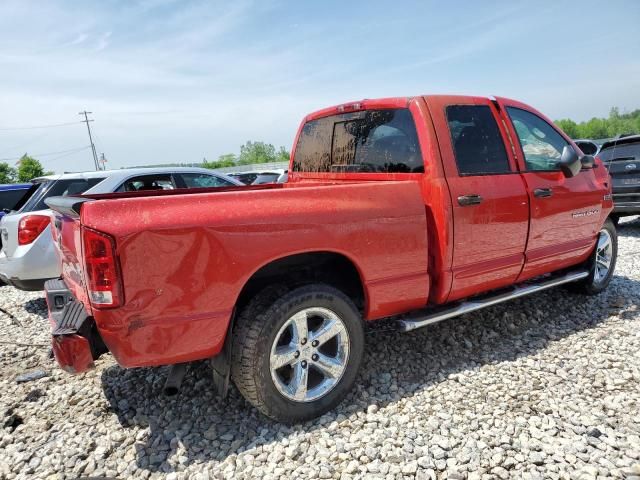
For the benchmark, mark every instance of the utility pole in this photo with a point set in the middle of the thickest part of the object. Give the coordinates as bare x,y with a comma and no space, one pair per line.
103,161
93,147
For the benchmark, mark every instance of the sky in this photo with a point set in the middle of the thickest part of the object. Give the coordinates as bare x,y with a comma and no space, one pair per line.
178,81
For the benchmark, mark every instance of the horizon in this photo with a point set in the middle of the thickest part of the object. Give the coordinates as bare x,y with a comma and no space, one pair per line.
176,82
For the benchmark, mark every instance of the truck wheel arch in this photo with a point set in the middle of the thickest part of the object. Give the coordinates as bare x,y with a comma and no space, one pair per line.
334,268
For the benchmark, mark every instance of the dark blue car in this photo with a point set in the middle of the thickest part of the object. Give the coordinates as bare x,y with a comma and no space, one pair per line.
11,196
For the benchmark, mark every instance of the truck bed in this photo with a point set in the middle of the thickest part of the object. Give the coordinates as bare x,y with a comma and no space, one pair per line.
184,257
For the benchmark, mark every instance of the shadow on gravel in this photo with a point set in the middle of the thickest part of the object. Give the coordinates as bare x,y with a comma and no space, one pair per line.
37,306
196,426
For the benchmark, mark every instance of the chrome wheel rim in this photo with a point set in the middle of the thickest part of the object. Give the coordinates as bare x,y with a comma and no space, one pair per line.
309,354
604,254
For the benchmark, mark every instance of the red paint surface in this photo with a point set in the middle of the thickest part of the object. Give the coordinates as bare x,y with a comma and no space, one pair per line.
72,352
185,257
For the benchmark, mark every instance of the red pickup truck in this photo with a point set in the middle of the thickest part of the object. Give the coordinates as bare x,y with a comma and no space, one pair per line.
418,208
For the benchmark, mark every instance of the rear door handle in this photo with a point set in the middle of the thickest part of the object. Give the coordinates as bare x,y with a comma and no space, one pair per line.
466,200
542,192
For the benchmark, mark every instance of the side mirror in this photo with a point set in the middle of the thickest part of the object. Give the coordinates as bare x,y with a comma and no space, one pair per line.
588,161
569,163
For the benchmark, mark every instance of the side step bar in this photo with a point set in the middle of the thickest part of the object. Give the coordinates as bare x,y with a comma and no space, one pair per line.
412,323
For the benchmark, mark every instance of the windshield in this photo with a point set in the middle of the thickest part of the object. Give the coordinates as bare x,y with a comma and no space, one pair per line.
54,188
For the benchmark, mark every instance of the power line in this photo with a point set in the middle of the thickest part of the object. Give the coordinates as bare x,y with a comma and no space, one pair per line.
55,159
72,150
93,147
4,129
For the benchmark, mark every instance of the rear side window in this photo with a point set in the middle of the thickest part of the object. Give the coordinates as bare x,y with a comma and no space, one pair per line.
9,198
373,141
75,186
202,180
477,143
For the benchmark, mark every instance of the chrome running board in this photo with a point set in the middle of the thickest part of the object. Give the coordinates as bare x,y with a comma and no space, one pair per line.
412,323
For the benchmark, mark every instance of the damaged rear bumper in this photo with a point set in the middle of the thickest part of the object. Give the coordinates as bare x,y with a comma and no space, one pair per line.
74,337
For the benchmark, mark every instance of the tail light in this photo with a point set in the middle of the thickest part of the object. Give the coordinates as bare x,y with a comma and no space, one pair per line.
30,227
101,269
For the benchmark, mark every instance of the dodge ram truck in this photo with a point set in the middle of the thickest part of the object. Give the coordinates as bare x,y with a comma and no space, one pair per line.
412,209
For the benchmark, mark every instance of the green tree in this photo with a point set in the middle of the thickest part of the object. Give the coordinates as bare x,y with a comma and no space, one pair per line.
615,124
226,160
569,127
283,155
7,173
28,168
256,152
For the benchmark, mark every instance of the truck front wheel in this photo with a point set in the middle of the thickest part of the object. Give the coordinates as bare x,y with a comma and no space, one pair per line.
295,356
602,262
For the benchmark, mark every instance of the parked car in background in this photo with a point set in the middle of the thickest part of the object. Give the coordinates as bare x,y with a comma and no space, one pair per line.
261,177
10,195
28,258
398,206
588,147
621,157
246,178
271,176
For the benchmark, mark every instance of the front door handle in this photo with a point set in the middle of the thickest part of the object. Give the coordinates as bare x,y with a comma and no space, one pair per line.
466,200
542,192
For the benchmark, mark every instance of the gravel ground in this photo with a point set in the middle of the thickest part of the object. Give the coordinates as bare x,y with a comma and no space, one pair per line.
542,387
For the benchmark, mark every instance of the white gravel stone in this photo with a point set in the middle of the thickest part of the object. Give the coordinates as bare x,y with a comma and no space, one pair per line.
542,387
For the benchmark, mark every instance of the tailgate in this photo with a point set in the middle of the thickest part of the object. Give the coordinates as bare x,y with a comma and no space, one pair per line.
625,174
68,242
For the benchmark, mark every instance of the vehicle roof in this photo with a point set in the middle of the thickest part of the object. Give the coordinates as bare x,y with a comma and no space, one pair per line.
14,186
388,102
274,171
621,141
124,173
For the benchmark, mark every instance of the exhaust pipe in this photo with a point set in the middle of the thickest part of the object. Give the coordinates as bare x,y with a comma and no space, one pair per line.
174,379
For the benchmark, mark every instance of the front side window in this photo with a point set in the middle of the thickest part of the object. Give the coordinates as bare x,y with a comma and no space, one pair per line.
202,180
477,143
541,144
371,141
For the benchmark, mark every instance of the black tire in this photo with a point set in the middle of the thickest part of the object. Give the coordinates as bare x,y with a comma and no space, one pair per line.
615,219
256,328
592,285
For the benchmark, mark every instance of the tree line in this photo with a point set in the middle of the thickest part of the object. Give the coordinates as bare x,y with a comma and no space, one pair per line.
250,153
26,169
616,124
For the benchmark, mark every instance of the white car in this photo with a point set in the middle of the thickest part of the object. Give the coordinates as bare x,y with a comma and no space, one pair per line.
28,257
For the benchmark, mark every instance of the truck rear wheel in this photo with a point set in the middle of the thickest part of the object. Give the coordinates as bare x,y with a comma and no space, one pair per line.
294,357
602,262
